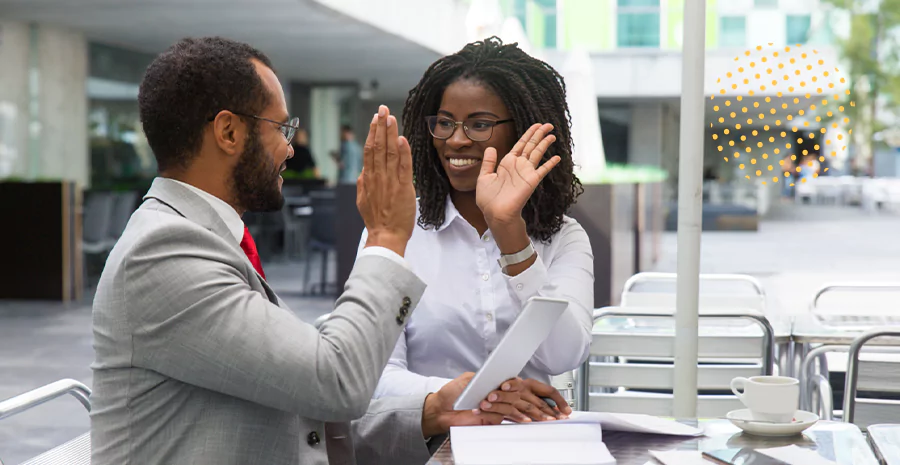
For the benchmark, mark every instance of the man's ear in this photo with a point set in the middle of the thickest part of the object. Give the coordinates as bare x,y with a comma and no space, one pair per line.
229,132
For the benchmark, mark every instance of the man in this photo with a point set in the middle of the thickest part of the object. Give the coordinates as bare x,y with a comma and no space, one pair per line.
197,360
350,158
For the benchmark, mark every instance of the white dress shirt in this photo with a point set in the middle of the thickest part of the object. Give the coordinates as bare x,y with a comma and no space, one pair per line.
470,303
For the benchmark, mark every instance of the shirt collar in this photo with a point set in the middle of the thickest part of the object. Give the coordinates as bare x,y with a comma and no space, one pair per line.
450,214
228,214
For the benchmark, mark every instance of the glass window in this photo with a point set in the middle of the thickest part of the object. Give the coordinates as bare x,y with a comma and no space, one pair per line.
765,3
797,29
638,23
638,3
733,31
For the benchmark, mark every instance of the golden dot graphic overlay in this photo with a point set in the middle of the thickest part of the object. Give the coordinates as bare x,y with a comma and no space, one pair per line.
815,105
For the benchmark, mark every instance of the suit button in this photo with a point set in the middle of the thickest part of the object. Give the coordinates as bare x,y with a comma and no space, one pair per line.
404,311
407,302
313,438
400,321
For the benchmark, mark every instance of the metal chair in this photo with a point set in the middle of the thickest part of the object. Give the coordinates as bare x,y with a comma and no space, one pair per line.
74,452
876,376
659,291
322,238
633,371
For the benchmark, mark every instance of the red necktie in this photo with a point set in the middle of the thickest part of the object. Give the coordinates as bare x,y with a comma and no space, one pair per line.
249,248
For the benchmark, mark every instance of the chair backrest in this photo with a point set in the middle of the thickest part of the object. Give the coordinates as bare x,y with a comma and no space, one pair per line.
632,369
720,291
876,375
123,206
857,301
324,215
75,452
98,211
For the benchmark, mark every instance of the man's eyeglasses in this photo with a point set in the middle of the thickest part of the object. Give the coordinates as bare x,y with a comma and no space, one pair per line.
476,129
287,129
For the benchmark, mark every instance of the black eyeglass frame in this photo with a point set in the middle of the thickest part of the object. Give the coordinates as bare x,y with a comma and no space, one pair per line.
291,127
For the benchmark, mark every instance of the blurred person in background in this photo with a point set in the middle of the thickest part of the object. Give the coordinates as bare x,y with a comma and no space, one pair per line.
349,159
302,164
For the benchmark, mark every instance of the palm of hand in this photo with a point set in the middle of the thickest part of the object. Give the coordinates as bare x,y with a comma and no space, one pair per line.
501,193
504,193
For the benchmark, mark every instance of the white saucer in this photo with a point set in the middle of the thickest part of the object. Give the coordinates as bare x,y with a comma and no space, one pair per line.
743,420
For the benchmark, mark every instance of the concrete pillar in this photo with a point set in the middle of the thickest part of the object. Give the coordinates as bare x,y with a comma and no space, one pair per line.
43,103
645,136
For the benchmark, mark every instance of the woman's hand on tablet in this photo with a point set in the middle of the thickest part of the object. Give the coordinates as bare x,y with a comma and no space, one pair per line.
531,404
438,414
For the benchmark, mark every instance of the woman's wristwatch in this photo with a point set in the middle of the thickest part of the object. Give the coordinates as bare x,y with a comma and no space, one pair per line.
507,260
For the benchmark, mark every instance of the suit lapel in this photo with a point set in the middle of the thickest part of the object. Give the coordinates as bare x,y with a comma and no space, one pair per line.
196,209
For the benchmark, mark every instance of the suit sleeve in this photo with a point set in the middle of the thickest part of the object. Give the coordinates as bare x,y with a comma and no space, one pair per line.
391,432
195,319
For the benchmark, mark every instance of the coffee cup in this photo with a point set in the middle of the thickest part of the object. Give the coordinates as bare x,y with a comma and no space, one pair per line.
769,398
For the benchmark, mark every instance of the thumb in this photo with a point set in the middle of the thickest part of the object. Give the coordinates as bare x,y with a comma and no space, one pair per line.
489,161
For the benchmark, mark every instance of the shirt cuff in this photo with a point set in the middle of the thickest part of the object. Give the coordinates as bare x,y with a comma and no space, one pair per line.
529,283
384,252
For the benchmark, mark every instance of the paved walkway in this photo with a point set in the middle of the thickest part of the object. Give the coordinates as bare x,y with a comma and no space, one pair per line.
795,251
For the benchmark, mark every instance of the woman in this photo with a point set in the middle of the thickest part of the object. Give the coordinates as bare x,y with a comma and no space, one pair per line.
474,210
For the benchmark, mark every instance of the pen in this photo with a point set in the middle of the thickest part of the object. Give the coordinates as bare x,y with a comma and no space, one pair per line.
549,402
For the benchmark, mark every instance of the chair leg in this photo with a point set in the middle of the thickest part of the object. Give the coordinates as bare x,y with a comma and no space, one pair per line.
324,272
306,285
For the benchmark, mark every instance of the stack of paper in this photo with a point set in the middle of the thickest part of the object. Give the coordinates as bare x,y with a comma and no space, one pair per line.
535,444
628,422
792,455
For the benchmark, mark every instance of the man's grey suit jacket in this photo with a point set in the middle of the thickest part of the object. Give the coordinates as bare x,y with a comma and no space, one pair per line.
199,362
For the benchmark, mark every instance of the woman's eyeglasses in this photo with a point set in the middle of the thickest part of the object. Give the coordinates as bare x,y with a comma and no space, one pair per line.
476,129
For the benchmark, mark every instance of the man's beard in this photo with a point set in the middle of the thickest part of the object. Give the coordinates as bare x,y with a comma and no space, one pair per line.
255,178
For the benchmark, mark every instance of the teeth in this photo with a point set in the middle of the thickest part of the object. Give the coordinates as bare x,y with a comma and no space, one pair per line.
462,161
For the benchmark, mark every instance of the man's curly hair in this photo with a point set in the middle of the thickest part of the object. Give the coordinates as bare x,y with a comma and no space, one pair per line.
189,83
532,91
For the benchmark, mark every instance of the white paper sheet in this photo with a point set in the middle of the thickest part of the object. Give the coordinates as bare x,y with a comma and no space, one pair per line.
630,422
796,455
534,444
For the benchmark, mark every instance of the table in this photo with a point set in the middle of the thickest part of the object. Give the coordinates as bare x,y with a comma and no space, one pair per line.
885,440
840,442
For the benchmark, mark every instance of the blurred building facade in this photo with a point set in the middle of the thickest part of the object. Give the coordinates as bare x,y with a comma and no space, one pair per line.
635,48
71,70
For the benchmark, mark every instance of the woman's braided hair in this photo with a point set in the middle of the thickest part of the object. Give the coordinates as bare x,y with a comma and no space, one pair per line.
532,91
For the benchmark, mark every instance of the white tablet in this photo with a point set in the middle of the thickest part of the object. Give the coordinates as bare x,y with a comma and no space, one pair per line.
516,348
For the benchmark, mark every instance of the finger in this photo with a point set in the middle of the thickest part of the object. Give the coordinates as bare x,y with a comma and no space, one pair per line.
536,138
531,411
520,145
360,194
381,142
406,166
514,385
393,153
507,410
489,161
484,418
369,148
549,413
505,397
544,169
546,391
535,155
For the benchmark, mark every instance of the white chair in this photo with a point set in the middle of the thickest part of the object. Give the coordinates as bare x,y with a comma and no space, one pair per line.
874,371
719,290
74,452
633,371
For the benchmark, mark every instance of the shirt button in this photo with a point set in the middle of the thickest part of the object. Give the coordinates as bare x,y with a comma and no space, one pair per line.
519,287
490,317
485,277
486,238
